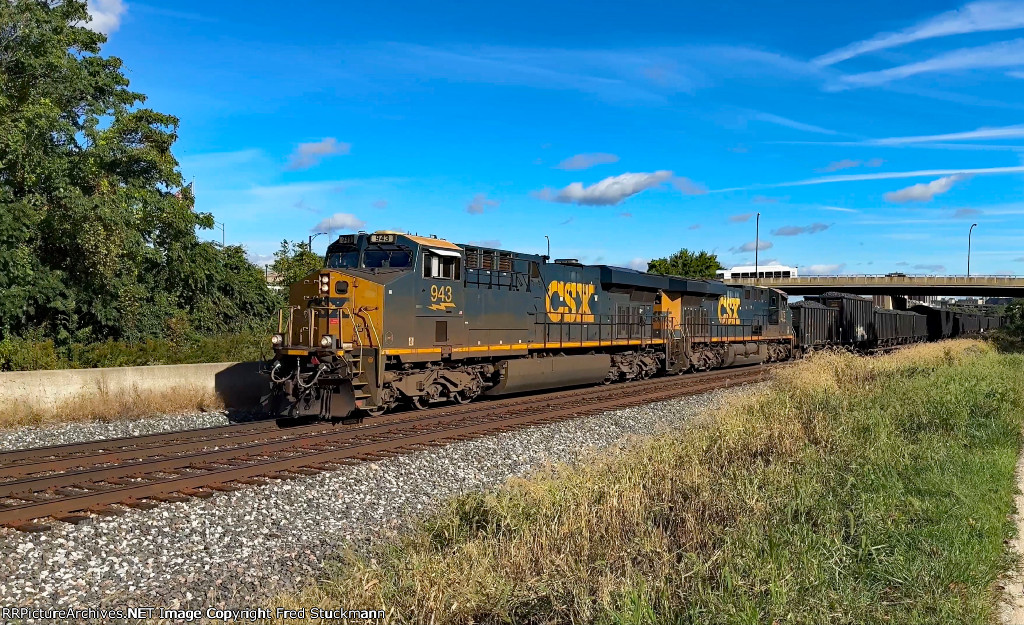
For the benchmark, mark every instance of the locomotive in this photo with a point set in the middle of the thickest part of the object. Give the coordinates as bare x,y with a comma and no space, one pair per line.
399,319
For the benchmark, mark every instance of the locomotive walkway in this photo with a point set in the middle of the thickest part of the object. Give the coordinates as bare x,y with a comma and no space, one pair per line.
992,286
72,482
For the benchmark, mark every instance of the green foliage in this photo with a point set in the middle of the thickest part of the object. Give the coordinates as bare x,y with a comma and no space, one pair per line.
27,354
97,234
294,261
686,264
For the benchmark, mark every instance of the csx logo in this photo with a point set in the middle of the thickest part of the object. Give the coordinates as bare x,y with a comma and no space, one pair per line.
569,302
729,311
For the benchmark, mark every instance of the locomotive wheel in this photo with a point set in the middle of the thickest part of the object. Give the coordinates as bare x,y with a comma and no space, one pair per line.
376,411
421,402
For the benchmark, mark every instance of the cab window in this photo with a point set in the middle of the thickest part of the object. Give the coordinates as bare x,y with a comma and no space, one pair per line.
343,258
441,267
387,256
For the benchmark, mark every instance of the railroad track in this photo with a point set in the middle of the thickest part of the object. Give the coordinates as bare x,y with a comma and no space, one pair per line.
73,482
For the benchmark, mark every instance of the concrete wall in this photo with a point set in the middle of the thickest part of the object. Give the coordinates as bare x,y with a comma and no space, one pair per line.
235,384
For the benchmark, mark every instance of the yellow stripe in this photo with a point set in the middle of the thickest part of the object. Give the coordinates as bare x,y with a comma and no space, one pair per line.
610,343
742,339
428,350
517,346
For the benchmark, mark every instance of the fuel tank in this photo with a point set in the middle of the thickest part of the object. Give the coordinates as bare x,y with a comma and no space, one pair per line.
534,374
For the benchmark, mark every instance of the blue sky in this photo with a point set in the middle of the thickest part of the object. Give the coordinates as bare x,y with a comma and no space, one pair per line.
869,135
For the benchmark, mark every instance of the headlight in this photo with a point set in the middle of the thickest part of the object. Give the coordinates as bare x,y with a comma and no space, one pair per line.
326,341
277,339
325,283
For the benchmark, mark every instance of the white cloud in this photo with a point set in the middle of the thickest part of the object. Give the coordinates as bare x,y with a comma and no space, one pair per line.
640,264
339,221
972,18
839,209
931,268
1015,74
609,191
1002,132
261,260
924,191
487,243
380,204
687,186
792,231
307,155
894,175
583,161
1000,54
847,163
740,218
822,270
749,246
778,120
480,203
106,15
964,213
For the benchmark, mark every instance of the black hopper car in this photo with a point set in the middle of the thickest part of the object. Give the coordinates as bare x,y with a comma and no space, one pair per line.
842,319
396,319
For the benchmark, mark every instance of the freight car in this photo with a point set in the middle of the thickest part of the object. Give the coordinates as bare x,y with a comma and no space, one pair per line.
815,326
398,319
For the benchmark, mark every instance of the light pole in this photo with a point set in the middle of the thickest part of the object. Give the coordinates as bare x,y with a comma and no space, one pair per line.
969,249
757,244
221,224
549,247
309,243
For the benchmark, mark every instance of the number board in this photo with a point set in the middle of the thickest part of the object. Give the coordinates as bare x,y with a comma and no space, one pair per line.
382,238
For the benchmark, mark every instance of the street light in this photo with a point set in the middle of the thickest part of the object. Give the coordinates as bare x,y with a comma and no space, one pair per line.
221,224
309,243
969,249
757,244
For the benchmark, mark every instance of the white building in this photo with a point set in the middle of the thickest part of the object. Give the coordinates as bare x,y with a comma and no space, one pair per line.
763,271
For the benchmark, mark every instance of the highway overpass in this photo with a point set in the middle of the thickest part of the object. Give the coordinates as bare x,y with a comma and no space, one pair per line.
987,286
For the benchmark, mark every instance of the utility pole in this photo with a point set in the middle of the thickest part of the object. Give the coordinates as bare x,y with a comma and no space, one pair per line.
969,249
222,235
309,243
757,245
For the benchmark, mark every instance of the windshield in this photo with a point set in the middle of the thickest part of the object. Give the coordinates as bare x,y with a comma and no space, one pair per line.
387,256
344,259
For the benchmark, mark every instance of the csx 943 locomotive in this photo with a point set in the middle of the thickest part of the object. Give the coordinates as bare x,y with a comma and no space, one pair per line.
397,319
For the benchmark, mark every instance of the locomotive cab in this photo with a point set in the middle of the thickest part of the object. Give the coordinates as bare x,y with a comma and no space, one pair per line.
327,350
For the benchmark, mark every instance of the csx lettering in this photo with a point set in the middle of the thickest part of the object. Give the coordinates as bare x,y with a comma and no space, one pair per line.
569,302
440,293
729,311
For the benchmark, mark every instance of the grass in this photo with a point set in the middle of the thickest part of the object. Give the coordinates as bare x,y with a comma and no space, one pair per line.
849,490
105,407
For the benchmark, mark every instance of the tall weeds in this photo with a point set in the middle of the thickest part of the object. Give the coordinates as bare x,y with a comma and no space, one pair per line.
850,490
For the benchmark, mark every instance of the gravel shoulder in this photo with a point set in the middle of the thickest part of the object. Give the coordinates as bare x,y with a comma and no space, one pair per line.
240,549
45,435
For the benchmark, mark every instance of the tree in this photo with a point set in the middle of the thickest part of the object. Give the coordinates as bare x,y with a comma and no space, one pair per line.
97,234
294,261
686,264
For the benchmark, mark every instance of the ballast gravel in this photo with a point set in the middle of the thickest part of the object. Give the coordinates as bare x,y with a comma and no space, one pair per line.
240,549
46,435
